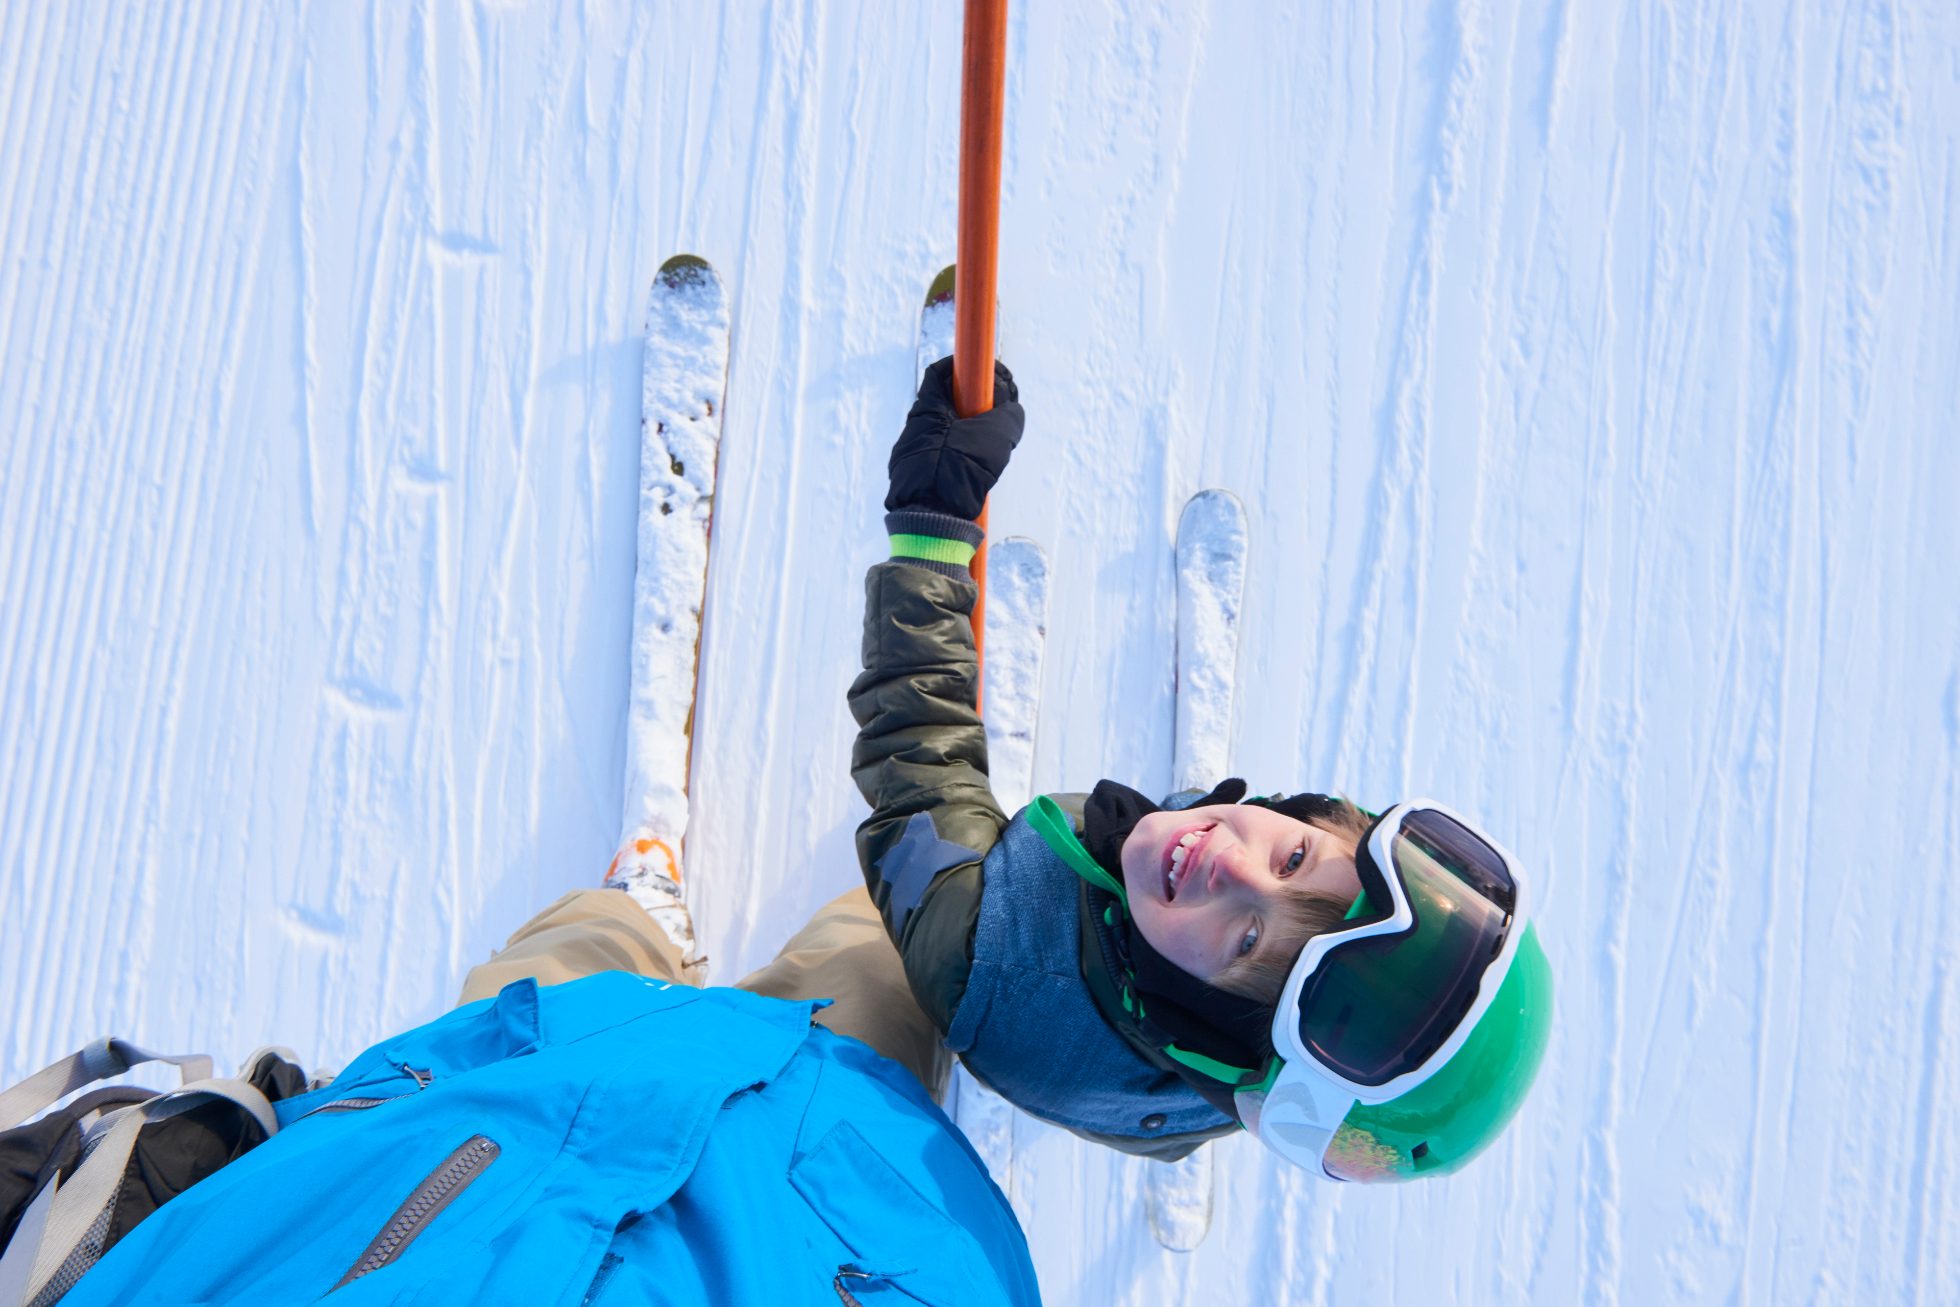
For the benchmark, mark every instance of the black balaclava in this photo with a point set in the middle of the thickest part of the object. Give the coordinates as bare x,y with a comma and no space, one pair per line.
1198,1016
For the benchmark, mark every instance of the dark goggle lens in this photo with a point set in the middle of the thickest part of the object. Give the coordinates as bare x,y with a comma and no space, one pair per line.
1378,1007
1462,852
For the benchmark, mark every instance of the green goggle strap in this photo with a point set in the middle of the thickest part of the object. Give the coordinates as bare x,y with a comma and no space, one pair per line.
1224,1072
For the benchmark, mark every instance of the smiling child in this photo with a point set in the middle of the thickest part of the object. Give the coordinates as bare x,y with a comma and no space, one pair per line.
1365,993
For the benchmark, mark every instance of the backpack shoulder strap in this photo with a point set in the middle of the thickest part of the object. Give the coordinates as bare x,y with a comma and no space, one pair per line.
72,1230
97,1061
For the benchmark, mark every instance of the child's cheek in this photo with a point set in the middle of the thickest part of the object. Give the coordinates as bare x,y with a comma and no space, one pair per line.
1171,934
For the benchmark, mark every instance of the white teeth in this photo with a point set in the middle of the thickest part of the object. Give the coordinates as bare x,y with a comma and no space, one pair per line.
1183,846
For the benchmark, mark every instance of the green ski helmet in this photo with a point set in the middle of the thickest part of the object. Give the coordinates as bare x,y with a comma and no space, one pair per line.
1405,1041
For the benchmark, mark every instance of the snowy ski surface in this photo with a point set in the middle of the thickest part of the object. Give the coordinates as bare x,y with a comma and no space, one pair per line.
990,1121
680,429
1211,544
1017,615
1586,371
1211,562
936,321
1017,632
986,1117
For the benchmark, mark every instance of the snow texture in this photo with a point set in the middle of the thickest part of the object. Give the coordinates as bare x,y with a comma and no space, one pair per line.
1586,371
686,364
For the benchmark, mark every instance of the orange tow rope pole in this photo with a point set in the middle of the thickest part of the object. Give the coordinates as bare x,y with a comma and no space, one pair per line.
983,78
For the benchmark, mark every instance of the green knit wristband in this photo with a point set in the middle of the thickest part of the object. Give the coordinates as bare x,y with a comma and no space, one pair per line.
932,548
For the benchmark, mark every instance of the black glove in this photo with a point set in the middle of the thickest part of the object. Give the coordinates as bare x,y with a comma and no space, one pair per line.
943,463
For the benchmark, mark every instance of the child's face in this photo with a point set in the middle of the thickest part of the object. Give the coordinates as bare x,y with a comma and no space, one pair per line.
1215,902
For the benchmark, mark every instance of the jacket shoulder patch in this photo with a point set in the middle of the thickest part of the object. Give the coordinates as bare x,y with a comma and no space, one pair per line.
908,866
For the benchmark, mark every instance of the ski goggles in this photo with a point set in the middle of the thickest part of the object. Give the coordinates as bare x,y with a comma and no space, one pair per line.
1371,1011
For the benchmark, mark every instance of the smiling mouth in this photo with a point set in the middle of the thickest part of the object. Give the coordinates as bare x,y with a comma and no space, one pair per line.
1180,860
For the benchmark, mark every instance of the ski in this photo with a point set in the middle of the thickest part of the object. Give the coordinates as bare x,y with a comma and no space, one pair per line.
1211,552
1014,669
685,373
1017,629
935,323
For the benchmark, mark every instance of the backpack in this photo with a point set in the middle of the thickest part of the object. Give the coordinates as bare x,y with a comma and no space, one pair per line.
77,1179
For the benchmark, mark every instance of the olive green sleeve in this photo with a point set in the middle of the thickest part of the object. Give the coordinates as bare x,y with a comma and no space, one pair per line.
920,761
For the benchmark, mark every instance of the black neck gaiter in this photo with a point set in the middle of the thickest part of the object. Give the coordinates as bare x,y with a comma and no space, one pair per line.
1199,1017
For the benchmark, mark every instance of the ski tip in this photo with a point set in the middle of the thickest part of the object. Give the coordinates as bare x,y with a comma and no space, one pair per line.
1019,554
941,289
1180,1200
1215,498
685,270
1179,1234
1212,507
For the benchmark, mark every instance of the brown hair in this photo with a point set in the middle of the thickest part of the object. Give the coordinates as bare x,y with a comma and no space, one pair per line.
1303,913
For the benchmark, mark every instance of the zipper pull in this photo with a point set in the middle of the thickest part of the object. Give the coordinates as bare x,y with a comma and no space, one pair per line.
423,1079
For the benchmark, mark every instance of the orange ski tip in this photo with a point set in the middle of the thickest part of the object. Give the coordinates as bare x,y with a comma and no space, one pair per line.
640,849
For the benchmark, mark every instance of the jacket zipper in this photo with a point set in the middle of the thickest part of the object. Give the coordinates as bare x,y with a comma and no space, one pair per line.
346,1105
423,1079
427,1202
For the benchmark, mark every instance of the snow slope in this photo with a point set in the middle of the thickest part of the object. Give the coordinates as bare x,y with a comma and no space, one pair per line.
1587,371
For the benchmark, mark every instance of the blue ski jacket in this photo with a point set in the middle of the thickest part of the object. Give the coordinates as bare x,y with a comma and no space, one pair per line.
610,1140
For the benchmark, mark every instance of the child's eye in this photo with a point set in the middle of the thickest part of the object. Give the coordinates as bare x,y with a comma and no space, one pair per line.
1249,941
1293,863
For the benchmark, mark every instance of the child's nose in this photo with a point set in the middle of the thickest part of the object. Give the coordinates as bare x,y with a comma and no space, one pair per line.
1228,871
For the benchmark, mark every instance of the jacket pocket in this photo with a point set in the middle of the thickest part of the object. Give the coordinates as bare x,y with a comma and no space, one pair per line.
438,1189
902,1243
615,1257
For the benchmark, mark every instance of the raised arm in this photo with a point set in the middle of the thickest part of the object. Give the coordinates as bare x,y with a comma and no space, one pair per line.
920,759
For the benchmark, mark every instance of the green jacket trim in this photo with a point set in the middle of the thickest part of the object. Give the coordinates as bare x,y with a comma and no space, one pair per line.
1058,833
